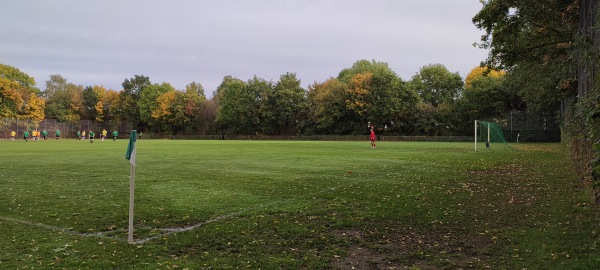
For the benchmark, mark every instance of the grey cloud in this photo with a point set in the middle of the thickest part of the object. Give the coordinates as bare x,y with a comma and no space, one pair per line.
105,42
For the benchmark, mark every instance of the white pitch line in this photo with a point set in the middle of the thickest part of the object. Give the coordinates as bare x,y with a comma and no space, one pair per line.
55,228
172,230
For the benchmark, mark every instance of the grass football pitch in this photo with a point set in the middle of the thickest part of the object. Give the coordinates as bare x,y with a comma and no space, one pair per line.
293,205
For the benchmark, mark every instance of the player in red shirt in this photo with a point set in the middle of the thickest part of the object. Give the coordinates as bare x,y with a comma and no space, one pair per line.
372,138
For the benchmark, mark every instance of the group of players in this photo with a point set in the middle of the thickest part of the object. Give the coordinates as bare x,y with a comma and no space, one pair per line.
81,135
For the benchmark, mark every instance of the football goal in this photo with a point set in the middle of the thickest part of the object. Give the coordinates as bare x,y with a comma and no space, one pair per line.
489,133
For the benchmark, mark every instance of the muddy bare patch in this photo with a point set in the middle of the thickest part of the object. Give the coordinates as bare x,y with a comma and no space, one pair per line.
413,249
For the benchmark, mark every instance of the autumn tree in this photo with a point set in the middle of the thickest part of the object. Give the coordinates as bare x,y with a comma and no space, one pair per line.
148,101
101,103
11,98
169,112
109,109
327,106
375,94
480,71
34,108
209,116
14,74
19,102
64,100
194,103
19,98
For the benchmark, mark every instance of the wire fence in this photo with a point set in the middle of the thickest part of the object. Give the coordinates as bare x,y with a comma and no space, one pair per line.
525,127
67,129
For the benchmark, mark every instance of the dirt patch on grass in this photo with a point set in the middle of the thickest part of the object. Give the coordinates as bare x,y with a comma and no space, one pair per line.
413,249
495,197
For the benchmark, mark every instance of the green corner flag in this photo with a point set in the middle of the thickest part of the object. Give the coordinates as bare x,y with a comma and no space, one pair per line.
130,155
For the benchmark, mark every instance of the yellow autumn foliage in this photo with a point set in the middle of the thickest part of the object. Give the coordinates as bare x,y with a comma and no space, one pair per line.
482,71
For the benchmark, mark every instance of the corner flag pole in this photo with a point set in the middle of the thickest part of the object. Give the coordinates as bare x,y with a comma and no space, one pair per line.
130,155
475,135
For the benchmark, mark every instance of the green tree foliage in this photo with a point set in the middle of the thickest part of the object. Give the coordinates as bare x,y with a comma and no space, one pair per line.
233,101
486,98
429,120
535,42
436,85
284,108
127,106
90,100
261,107
253,97
195,89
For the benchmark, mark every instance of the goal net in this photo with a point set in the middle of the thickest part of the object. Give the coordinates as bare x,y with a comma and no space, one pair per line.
488,133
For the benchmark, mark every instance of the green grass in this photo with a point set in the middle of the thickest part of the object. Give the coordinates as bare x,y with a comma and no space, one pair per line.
293,205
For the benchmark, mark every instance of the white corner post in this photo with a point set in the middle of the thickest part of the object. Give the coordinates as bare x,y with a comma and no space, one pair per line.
489,142
131,204
475,135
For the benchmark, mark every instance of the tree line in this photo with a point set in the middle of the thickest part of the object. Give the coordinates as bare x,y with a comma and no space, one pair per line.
434,101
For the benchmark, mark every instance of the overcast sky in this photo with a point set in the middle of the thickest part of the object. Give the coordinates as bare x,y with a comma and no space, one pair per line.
180,41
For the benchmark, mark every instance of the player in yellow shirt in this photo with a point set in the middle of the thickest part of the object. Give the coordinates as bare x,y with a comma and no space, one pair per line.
12,135
103,134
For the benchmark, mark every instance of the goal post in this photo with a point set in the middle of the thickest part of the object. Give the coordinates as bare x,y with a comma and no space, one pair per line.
489,133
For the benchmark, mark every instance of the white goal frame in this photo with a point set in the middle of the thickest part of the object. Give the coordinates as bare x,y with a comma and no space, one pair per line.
488,134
